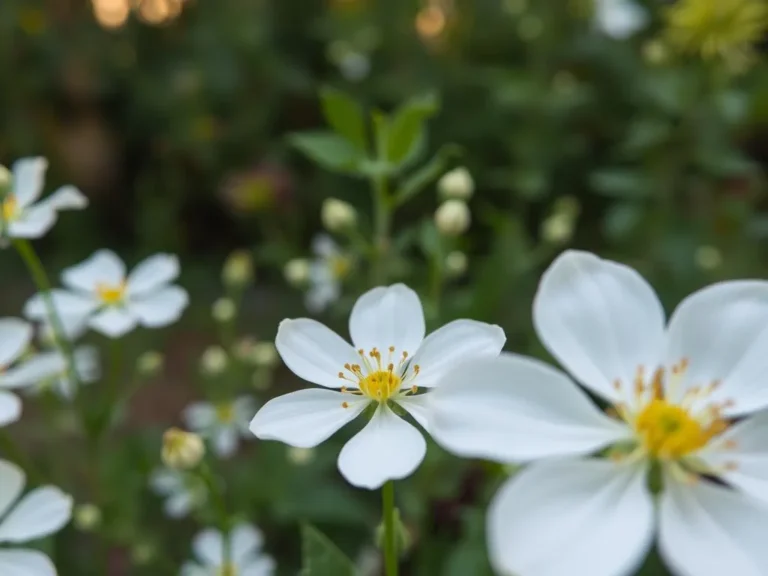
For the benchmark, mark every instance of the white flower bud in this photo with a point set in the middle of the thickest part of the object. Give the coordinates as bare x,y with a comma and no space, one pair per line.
86,517
182,450
214,361
300,456
456,263
338,215
238,269
296,272
223,310
456,184
708,258
453,217
150,363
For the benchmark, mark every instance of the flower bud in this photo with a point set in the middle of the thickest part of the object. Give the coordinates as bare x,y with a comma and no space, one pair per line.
86,517
456,184
559,227
296,272
182,450
150,363
456,263
224,310
338,215
264,354
300,456
214,361
403,538
238,269
452,217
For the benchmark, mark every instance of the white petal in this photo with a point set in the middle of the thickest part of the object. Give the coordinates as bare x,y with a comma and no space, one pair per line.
722,332
209,547
87,363
262,566
513,408
160,308
568,517
225,441
179,505
620,18
152,273
454,343
40,513
709,530
66,198
740,455
323,245
39,367
244,409
322,295
113,322
313,352
601,320
11,484
418,407
388,448
70,307
306,418
15,336
28,179
244,540
25,563
103,267
192,569
10,408
32,222
166,481
385,317
200,416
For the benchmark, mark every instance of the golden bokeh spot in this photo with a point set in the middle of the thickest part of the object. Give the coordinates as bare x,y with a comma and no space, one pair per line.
111,13
380,385
430,22
225,412
110,294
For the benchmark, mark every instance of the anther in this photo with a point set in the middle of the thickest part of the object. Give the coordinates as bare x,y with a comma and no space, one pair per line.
345,404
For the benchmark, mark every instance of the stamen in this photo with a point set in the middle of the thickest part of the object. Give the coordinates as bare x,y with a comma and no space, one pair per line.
345,404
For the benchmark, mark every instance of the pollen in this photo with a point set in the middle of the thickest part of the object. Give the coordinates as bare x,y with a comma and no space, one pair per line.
10,208
110,294
380,385
380,377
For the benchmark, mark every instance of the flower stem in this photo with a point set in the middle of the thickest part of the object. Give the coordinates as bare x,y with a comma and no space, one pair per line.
219,502
390,544
10,450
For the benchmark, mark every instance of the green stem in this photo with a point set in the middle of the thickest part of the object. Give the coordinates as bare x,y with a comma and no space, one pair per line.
390,544
381,228
10,450
220,504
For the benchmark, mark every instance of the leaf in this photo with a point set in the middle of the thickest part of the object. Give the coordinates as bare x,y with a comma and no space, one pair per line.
431,171
620,183
321,557
328,150
406,134
345,116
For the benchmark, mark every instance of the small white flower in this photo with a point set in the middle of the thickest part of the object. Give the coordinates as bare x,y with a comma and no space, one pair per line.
453,217
183,492
223,423
338,215
100,295
22,215
689,408
390,363
59,379
245,556
38,514
620,19
456,185
326,274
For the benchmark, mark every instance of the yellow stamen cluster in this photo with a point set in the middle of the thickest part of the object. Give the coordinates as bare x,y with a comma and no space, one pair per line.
376,379
10,208
110,294
227,569
340,266
225,412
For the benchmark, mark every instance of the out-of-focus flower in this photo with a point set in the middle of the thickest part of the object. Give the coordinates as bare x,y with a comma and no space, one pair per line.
59,379
40,513
182,450
389,363
327,273
245,556
656,52
87,517
258,190
453,217
300,456
353,64
238,269
224,310
620,19
708,257
456,184
100,294
264,354
183,492
150,363
559,226
296,272
223,423
214,361
721,28
338,215
456,263
22,215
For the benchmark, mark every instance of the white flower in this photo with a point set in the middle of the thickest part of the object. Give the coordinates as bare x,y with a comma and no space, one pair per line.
183,492
326,273
688,403
223,423
456,184
100,295
390,363
453,217
59,379
338,215
38,514
245,555
620,19
22,216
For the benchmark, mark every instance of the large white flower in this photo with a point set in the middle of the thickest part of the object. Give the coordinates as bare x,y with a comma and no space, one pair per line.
620,18
245,556
59,378
223,423
40,513
101,295
391,362
22,215
684,421
183,492
326,273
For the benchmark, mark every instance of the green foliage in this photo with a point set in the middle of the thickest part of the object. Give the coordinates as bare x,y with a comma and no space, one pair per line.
321,557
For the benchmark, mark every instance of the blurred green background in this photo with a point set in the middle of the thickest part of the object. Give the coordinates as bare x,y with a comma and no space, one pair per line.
174,119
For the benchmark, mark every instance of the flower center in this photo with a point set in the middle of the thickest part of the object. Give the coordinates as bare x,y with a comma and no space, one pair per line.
376,379
110,294
10,208
340,266
668,431
225,413
228,569
381,384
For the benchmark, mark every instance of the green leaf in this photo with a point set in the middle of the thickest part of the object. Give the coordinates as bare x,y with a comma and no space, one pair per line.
431,171
620,183
328,150
406,135
321,557
344,115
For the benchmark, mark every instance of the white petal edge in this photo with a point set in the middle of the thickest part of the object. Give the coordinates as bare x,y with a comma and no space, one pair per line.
66,198
40,513
160,308
306,418
28,179
71,308
209,548
32,222
12,480
152,273
620,19
34,370
388,448
199,416
113,322
102,267
566,517
25,563
244,540
15,336
225,441
10,408
515,409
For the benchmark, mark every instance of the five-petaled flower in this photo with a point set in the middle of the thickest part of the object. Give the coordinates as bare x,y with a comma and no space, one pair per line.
390,365
223,423
687,424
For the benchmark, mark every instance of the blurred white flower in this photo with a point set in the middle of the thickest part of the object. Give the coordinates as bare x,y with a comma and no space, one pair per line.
620,19
689,404
390,363
238,269
224,310
453,218
182,450
100,294
456,263
214,361
245,559
40,513
223,423
338,215
296,272
59,379
326,274
22,215
183,492
456,185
